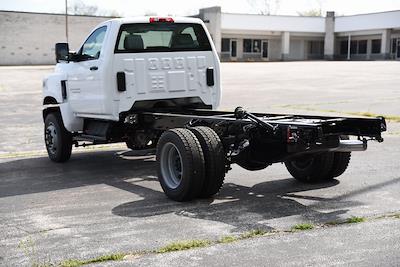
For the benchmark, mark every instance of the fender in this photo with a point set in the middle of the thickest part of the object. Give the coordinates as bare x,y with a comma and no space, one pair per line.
52,88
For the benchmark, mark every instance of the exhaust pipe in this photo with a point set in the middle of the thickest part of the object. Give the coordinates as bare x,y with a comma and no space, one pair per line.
351,145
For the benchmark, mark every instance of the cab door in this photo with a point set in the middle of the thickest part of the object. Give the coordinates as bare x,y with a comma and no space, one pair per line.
86,76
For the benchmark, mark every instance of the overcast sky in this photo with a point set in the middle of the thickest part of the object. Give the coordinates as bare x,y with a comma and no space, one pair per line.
190,7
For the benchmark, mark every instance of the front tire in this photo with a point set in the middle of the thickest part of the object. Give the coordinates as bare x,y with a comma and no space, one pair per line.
180,164
57,139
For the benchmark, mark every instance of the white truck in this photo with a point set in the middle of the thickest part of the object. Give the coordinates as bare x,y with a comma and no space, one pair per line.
154,82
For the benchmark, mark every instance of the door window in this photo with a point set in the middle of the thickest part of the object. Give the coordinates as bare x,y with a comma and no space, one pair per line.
92,46
376,46
226,46
265,49
233,48
398,48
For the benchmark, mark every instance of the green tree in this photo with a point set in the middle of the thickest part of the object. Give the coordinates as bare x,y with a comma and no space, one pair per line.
80,8
311,13
265,7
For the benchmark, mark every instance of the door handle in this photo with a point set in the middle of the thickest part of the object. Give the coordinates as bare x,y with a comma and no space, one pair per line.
94,68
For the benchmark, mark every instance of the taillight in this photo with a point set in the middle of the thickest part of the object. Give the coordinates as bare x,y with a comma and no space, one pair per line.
156,19
291,135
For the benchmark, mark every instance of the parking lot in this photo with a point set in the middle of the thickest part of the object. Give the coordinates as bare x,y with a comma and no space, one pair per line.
107,200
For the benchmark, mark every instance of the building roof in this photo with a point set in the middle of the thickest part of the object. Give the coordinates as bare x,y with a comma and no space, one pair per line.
246,22
253,22
371,21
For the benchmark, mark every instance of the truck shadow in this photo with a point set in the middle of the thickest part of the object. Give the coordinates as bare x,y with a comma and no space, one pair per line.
243,207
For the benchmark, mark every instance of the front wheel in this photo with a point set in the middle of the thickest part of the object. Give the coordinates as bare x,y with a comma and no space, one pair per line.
57,139
180,164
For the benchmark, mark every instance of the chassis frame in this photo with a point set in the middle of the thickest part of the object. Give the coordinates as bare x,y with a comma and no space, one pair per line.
259,138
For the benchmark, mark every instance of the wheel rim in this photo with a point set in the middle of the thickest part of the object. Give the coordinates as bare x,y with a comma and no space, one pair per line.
302,163
171,165
51,138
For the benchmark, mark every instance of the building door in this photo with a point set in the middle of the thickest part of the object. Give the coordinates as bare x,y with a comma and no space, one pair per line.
398,49
265,49
233,48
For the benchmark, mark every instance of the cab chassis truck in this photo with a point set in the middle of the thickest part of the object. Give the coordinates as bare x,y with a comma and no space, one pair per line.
154,82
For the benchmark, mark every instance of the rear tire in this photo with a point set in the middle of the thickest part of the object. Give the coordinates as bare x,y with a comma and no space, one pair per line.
312,168
341,161
57,139
214,156
251,165
180,164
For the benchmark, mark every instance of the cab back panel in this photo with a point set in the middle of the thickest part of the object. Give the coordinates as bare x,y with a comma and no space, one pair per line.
165,75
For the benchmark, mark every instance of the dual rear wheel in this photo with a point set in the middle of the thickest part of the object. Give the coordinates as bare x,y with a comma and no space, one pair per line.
320,167
191,163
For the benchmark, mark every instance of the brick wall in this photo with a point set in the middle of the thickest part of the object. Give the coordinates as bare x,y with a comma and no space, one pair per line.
29,38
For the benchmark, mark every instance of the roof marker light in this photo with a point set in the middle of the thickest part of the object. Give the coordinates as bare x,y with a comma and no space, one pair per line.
156,19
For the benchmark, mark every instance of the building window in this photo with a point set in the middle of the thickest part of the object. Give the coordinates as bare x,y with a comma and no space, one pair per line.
343,47
225,45
253,46
316,47
356,47
393,47
247,45
362,47
256,46
376,46
353,47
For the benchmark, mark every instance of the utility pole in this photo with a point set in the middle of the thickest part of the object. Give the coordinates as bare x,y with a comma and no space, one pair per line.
66,19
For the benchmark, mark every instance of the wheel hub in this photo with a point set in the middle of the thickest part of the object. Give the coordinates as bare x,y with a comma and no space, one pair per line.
51,138
171,165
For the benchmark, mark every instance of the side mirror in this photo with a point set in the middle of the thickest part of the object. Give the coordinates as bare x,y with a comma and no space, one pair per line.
62,51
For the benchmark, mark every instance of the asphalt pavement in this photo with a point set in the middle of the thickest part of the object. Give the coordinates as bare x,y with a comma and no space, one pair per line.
107,200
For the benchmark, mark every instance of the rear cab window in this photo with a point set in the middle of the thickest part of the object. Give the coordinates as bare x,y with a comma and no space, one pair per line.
161,37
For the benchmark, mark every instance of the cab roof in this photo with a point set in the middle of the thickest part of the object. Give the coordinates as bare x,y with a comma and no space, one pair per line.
148,19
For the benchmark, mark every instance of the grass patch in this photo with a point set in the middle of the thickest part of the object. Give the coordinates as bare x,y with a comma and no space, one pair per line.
302,227
373,115
184,245
228,239
252,233
76,263
333,223
355,219
394,118
352,219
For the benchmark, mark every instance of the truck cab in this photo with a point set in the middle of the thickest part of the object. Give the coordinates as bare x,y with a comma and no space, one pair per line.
135,63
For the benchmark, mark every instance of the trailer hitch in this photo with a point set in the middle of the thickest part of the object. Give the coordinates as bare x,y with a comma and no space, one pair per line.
241,113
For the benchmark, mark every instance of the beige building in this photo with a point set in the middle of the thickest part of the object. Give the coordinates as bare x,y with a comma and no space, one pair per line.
246,37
